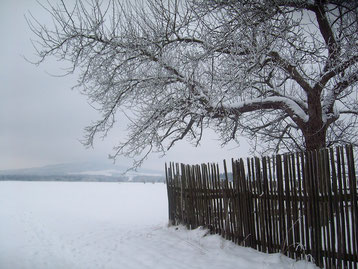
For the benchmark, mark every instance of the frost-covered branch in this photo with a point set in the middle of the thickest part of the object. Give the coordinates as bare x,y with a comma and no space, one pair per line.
277,103
282,73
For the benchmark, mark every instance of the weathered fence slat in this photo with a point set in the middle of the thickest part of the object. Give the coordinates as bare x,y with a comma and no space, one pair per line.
303,205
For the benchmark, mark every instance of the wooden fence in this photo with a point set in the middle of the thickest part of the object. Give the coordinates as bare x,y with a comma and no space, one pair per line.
303,205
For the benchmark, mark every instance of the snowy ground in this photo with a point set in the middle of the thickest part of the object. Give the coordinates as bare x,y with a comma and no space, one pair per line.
59,225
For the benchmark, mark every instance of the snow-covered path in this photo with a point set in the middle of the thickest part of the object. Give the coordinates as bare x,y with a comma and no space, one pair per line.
59,225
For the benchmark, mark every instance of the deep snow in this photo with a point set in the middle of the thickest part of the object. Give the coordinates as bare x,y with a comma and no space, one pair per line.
64,225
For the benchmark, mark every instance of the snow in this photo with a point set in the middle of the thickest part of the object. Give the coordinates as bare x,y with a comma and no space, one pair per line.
77,225
292,105
328,100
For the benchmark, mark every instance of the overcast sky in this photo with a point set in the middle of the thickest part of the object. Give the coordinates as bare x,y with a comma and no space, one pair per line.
42,119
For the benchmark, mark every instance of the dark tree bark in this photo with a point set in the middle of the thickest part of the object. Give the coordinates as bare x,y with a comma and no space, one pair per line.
315,139
314,130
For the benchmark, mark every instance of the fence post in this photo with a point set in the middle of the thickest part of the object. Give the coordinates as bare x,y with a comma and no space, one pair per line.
299,204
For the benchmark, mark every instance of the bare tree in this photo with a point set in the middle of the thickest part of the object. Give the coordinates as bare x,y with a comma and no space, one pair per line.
281,72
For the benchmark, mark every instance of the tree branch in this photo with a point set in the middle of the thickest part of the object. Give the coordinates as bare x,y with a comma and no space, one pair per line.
334,71
327,33
287,105
290,69
354,112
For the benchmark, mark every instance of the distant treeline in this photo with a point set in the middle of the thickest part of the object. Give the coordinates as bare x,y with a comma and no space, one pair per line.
80,178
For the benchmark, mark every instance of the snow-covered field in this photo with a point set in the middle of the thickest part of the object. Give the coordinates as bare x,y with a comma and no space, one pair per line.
59,225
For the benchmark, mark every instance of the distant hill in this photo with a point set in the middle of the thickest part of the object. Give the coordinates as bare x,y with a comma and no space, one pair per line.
85,171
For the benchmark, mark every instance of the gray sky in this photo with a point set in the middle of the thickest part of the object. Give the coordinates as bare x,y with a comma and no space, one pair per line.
42,119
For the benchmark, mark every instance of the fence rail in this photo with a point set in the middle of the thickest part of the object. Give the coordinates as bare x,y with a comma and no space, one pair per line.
303,205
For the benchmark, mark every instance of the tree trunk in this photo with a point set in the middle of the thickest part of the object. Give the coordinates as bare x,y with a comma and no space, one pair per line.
315,130
315,140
